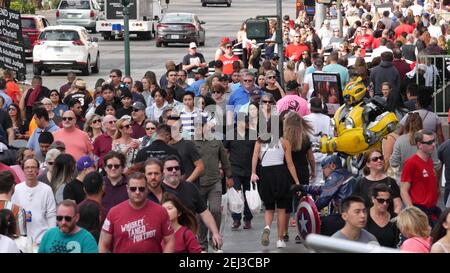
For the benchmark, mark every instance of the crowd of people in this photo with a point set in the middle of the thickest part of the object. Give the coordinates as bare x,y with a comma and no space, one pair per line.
141,165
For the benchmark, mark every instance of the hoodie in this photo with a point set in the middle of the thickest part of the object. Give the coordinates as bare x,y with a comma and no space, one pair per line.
384,72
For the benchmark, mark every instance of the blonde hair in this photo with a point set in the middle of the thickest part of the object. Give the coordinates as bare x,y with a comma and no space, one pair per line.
119,126
295,130
412,222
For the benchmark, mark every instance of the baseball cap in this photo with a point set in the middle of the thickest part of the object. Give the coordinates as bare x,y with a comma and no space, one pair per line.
255,92
138,105
202,71
332,159
192,45
58,144
85,162
126,94
225,40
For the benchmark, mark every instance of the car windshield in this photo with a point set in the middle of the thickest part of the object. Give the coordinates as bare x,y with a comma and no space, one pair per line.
28,23
177,18
74,4
59,35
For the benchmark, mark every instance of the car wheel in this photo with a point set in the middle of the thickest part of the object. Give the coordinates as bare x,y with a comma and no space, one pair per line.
166,44
228,4
158,44
203,4
96,68
36,71
93,30
47,71
85,70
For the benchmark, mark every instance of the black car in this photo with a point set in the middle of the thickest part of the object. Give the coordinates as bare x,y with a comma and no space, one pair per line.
206,2
180,28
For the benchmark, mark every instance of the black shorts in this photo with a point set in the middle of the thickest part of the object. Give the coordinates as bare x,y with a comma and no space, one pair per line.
274,187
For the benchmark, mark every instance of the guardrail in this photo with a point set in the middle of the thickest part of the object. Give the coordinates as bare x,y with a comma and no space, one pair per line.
437,76
321,243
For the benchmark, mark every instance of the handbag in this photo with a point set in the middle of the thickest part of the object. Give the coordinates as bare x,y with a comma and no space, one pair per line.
253,199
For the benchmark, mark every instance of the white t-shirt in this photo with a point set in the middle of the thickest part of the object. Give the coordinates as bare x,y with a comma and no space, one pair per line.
7,245
41,202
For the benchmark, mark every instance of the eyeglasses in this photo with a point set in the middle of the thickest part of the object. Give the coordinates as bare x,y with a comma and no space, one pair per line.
150,128
170,169
133,189
126,126
50,163
375,159
112,121
271,77
116,166
68,118
430,142
382,200
248,80
59,218
267,101
95,121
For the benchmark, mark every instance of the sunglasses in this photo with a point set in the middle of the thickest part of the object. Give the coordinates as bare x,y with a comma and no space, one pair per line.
375,159
216,92
430,142
248,80
59,218
95,121
133,189
116,166
12,109
170,169
126,126
267,101
135,110
271,77
382,200
68,118
150,128
50,163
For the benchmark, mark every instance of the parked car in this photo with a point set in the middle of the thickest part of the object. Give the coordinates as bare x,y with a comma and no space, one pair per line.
83,13
180,28
206,2
32,26
66,47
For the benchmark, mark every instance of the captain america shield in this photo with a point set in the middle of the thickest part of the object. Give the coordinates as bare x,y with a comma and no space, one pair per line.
308,220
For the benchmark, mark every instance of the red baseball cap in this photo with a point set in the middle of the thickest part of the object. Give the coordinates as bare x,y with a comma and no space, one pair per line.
225,40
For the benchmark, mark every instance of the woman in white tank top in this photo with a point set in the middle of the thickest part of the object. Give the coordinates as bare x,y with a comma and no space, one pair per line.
274,179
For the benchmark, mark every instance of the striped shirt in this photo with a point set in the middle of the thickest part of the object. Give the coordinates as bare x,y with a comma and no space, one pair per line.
190,119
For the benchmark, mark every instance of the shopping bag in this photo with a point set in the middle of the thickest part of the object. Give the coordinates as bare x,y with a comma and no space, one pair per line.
235,201
253,199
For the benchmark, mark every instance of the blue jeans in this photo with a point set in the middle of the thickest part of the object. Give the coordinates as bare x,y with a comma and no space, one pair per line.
242,183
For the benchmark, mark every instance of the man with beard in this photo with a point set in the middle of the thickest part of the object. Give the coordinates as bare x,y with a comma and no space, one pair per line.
67,237
137,225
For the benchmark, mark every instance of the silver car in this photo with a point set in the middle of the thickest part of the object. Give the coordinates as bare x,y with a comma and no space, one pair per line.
83,13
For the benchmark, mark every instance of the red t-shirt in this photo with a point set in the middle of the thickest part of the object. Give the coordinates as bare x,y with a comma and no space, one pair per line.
228,63
185,241
137,231
364,41
295,49
403,28
420,174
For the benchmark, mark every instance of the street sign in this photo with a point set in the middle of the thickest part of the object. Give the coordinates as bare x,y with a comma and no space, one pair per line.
12,51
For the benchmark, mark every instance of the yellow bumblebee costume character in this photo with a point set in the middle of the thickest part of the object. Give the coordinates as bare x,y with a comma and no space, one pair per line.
360,123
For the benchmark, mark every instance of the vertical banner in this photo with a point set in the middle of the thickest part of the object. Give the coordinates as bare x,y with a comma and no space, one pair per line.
12,51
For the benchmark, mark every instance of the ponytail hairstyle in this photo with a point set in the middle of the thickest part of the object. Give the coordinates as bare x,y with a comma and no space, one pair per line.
413,124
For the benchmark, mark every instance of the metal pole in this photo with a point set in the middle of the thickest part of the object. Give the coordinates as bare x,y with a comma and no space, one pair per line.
339,17
280,43
126,25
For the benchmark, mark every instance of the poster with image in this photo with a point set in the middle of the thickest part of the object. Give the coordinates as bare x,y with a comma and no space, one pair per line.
327,86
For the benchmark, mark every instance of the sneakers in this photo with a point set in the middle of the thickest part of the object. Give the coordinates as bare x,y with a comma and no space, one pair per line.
286,237
265,241
236,224
247,224
281,244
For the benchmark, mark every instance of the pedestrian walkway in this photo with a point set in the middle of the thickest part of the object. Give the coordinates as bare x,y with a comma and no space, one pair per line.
249,240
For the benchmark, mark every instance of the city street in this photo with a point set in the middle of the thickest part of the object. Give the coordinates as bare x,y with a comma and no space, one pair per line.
220,21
